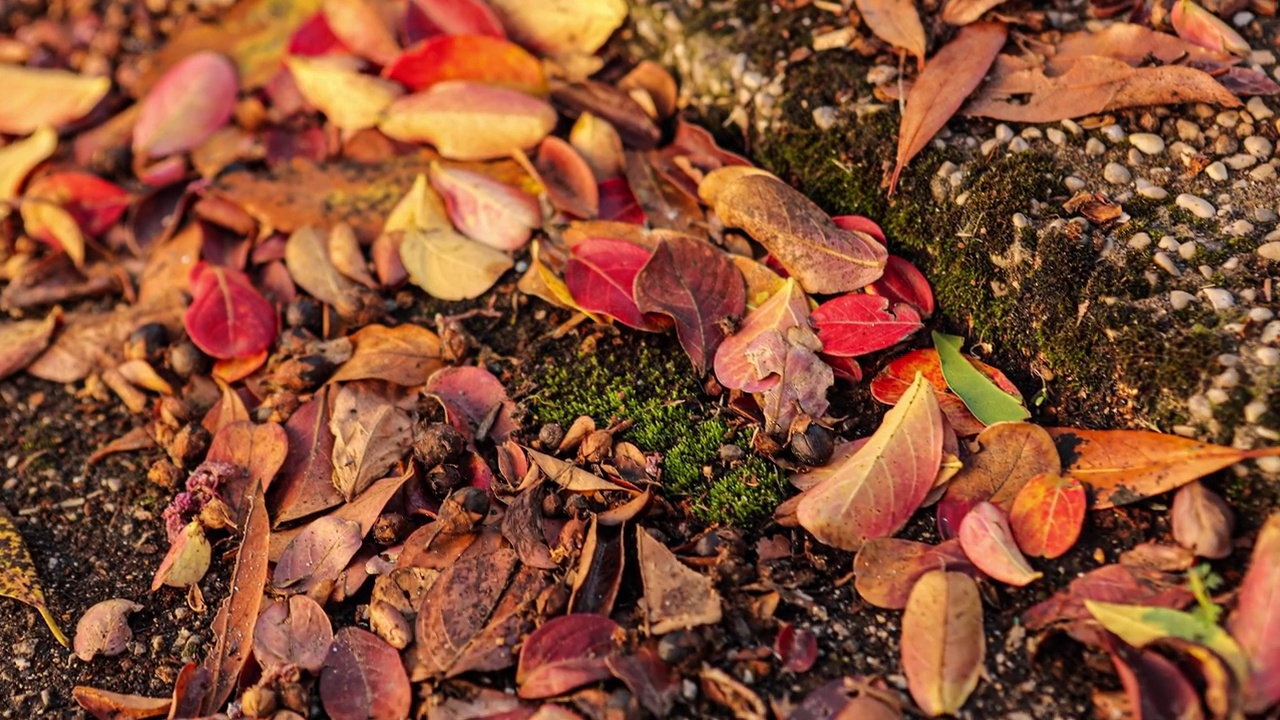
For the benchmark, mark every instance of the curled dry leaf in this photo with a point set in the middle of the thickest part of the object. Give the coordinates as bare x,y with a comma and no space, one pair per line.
305,485
988,542
405,355
942,87
447,114
363,679
292,631
803,379
306,255
857,324
488,211
190,102
566,653
943,645
478,395
876,490
119,706
675,597
897,23
963,12
44,97
372,430
187,560
450,266
104,629
1047,514
476,58
885,569
49,223
823,257
567,178
561,27
22,341
335,86
1256,620
1202,521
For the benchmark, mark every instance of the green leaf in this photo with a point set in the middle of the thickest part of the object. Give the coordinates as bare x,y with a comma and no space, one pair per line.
987,402
1139,625
18,578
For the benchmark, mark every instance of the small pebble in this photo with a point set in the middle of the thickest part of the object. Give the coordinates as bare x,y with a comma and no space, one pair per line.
1258,146
1270,332
1257,107
1270,251
1241,161
1225,145
1180,299
1169,243
1239,228
1262,57
1268,356
1216,170
1199,407
1071,126
1219,298
1261,314
1272,236
1188,130
1021,221
1196,205
1134,157
1228,360
1031,133
1073,183
1188,250
1093,146
1150,191
1116,174
1056,136
1254,411
1227,119
1265,215
1242,18
1217,396
1263,173
824,117
1004,133
1165,263
946,168
1021,145
1148,143
1271,463
1114,133
989,146
1139,240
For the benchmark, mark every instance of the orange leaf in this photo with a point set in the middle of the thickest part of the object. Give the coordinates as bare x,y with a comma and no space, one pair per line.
1010,455
37,97
477,58
942,641
897,23
1124,466
1048,514
448,116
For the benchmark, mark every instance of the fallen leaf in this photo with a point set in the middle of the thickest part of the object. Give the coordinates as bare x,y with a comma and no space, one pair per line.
119,706
1135,45
988,542
948,78
848,698
363,679
566,653
796,647
478,395
335,86
360,27
1124,466
698,287
561,27
306,256
963,12
305,485
449,266
857,324
787,308
601,274
18,159
599,144
372,431
1140,625
104,629
55,226
803,379
903,283
38,98
1111,583
363,510
96,204
475,58
984,398
318,554
447,113
1047,514
824,258
1255,624
943,645
885,569
569,476
721,688
260,449
1202,521
567,178
654,683
488,211
1009,455
186,106
22,341
896,22
452,17
187,560
405,355
1153,683
228,317
877,489
292,631
1195,24
675,597
889,384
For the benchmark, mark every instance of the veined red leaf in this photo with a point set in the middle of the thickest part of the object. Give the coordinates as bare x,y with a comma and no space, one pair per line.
943,645
699,287
186,106
316,555
861,224
1048,514
1124,466
363,679
857,324
475,58
41,97
785,309
361,28
902,282
335,86
896,22
617,202
488,211
1009,455
566,653
228,317
988,542
96,204
877,489
601,275
447,114
294,631
947,79
451,17
889,384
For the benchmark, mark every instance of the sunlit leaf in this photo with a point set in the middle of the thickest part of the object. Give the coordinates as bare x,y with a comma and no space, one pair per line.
18,159
52,224
452,17
449,266
18,579
360,27
488,211
566,653
1205,29
228,317
985,399
1007,456
896,22
885,569
943,645
22,341
335,86
294,631
448,114
1048,514
96,204
188,559
601,275
476,58
889,384
44,97
405,355
1140,625
372,431
903,283
1255,624
1202,521
787,308
560,27
316,555
988,542
189,103
856,324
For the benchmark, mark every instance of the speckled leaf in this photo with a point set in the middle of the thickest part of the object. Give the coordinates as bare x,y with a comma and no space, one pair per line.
803,379
372,431
1048,514
317,554
292,631
363,679
896,22
943,645
984,398
988,542
18,578
1256,620
787,308
104,629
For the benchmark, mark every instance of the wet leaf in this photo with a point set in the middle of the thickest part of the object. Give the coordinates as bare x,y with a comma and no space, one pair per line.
823,257
447,113
787,308
38,98
876,490
449,266
22,341
478,395
372,431
306,255
1202,521
885,569
903,283
986,400
699,287
360,27
675,597
1047,514
475,58
228,317
104,629
561,27
405,355
857,324
1124,466
335,86
363,679
896,22
601,274
316,555
186,106
566,653
948,78
988,542
1009,455
1256,620
104,704
453,17
1197,25
305,485
1140,625
292,631
943,645
488,211
187,560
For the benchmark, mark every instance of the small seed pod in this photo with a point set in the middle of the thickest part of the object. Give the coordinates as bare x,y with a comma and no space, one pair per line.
165,474
258,702
390,528
186,360
437,443
189,445
389,624
443,479
813,445
550,436
597,446
147,342
304,312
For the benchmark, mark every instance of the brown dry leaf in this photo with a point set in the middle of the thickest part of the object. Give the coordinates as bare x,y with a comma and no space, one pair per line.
306,480
118,706
963,12
946,82
260,449
335,86
405,355
372,431
22,341
600,568
720,687
943,644
897,23
1134,45
306,255
569,476
104,629
676,597
364,510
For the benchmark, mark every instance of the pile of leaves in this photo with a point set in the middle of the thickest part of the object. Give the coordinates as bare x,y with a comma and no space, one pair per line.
298,161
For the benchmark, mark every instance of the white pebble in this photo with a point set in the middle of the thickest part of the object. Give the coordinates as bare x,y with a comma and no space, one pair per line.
1150,191
1196,205
1261,314
1262,57
1149,143
1268,356
1265,215
1018,145
1169,243
946,168
1031,133
1187,130
1263,173
1228,360
1242,18
1269,465
1180,299
1199,407
989,146
1217,396
1227,119
1004,133
1270,251
1116,174
1071,126
1257,107
1113,133
824,117
1239,228
1021,221
1056,136
1073,183
1139,240
1165,263
1216,170
1228,378
1219,298
1188,249
1272,236
1241,161
1258,146
1093,146
1270,332
1254,411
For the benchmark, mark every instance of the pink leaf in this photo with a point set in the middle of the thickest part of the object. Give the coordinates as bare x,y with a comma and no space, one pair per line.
96,204
902,282
785,309
478,395
451,17
486,210
228,318
860,224
295,631
601,275
363,679
314,37
1256,621
189,103
360,27
567,653
857,324
989,544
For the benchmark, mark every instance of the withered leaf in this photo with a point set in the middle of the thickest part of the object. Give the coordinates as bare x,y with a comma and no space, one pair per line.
1256,620
405,355
306,478
676,597
293,631
1009,455
318,554
22,341
18,579
896,22
372,431
943,645
306,255
963,12
363,679
566,653
119,706
104,629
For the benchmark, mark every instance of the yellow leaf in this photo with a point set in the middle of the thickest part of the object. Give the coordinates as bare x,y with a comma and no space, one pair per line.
335,86
19,158
18,574
450,266
36,97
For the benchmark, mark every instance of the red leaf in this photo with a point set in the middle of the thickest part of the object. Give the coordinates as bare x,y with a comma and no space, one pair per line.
478,395
451,17
902,282
738,361
363,679
796,647
889,384
885,569
699,287
293,631
96,204
860,224
566,653
314,37
1256,621
988,543
228,318
1048,514
478,58
617,202
601,275
189,103
857,324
